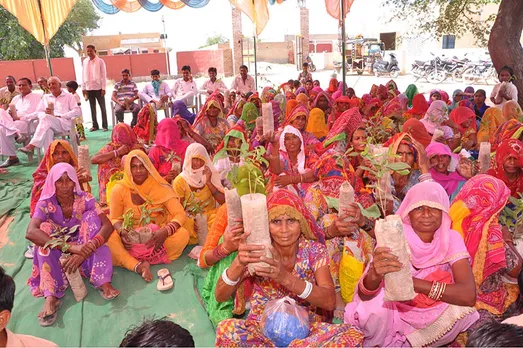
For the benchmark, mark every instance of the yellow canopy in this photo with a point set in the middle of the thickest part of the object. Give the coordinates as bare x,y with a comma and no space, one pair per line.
256,10
31,12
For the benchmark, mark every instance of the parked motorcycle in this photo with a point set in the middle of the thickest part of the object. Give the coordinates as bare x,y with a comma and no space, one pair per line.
481,70
383,67
312,67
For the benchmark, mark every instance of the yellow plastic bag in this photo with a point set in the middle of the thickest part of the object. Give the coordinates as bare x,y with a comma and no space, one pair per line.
351,270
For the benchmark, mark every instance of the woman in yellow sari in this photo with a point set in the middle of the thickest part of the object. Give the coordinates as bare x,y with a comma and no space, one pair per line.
199,188
492,119
143,190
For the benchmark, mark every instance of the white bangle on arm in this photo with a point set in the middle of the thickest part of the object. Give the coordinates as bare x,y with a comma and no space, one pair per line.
228,280
307,291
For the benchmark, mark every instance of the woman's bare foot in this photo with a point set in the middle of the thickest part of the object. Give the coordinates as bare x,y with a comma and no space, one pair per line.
108,292
50,306
145,271
339,312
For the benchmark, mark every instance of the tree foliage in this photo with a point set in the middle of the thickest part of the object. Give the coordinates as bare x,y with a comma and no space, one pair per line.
17,43
440,17
215,40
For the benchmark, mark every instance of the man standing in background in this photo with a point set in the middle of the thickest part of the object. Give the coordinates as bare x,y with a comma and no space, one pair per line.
93,85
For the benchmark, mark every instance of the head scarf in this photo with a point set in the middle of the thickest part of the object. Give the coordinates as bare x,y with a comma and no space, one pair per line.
490,122
249,116
450,181
122,134
393,86
462,114
299,110
300,90
444,97
49,189
435,116
291,104
432,92
455,104
339,92
314,93
467,104
316,123
47,162
237,105
395,108
333,85
155,189
474,214
236,132
212,101
383,93
255,99
290,95
509,130
371,108
301,156
410,92
285,202
431,194
512,110
268,94
179,108
168,137
419,106
374,91
402,139
303,99
417,130
344,126
278,106
196,178
321,94
509,147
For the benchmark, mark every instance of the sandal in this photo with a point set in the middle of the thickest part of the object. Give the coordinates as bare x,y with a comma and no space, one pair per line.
105,297
50,319
339,314
165,281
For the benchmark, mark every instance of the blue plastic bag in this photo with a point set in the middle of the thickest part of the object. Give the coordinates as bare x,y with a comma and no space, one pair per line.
284,321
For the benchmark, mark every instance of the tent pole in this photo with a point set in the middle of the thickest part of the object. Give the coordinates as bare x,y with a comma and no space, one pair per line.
255,66
343,58
47,49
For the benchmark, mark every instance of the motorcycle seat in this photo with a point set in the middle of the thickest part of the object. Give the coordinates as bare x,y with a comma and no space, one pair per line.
419,62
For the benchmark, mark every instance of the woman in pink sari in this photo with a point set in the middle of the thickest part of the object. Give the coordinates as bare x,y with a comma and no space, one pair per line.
168,150
439,260
443,168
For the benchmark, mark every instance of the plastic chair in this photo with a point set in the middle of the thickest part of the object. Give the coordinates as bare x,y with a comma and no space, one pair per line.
113,115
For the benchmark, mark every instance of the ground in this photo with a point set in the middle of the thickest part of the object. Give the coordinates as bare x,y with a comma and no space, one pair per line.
95,322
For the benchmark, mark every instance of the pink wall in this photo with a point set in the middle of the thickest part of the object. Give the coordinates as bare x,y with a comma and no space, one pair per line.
200,61
32,69
139,64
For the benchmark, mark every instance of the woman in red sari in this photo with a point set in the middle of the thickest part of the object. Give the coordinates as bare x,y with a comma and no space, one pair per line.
145,129
298,118
419,108
508,166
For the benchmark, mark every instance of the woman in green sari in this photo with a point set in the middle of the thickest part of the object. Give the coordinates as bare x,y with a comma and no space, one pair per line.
410,92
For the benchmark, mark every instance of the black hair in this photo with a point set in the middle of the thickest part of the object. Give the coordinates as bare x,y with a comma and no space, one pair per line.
481,91
248,95
305,65
7,291
357,129
155,72
26,79
186,67
211,69
296,83
316,81
509,70
309,81
291,81
520,282
91,46
244,67
72,84
11,77
157,333
126,71
494,334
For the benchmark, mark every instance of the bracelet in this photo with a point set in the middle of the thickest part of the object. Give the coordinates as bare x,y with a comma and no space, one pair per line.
437,290
228,280
307,291
368,292
66,247
219,252
442,291
115,153
368,226
137,265
171,229
99,240
425,177
301,177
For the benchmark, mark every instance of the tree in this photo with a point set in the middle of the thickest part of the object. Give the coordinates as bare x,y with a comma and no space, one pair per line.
502,32
16,43
215,39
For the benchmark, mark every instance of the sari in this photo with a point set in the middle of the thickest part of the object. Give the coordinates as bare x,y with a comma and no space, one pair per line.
512,110
421,321
321,94
509,147
417,131
308,138
237,108
249,116
435,116
268,94
490,122
462,114
474,214
411,92
333,86
340,134
45,166
303,99
290,95
335,114
339,91
395,108
455,103
121,135
393,86
452,182
291,104
47,276
418,109
168,147
316,124
180,109
222,161
311,256
145,129
213,134
512,129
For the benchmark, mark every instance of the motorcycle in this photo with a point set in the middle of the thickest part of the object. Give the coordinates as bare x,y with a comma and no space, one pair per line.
383,67
483,69
312,67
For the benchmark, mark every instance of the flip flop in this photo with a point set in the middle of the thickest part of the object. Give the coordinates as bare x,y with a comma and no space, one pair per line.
107,298
165,281
50,319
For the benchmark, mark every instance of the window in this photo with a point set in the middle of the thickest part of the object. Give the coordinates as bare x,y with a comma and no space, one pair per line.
449,42
389,40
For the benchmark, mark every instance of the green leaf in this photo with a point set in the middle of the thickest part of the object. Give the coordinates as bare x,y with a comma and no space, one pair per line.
372,212
397,166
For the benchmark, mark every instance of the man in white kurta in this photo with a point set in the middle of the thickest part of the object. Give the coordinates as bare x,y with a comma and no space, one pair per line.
185,88
213,84
156,92
243,83
56,112
16,123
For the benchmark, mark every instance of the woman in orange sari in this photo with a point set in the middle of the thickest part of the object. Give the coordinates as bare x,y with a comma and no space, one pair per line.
474,215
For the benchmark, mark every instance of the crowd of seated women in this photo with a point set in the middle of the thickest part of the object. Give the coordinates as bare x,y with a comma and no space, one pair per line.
162,184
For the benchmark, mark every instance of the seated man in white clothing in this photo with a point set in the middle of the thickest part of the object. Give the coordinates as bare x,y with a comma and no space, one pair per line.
213,84
57,109
156,91
185,88
14,124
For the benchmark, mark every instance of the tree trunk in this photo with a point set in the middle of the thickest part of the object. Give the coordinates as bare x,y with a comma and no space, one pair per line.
504,42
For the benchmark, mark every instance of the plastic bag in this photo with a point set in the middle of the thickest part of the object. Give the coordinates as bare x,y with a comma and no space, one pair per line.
351,270
283,321
200,221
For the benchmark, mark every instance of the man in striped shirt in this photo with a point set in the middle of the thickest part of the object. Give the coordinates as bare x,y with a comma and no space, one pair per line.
124,94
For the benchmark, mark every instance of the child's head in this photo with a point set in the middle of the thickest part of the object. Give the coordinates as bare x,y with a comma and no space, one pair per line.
72,86
506,74
305,66
494,334
158,333
296,84
480,96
